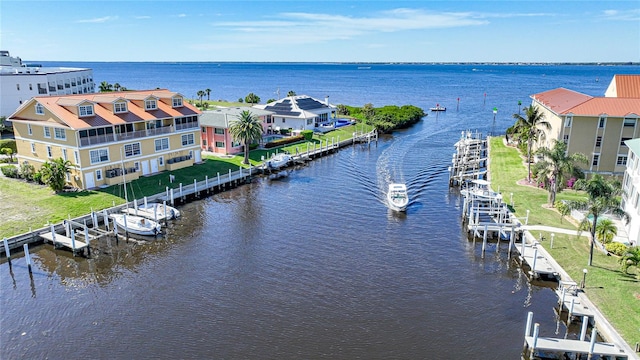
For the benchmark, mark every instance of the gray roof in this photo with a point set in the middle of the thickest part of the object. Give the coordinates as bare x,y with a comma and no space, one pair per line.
221,117
300,106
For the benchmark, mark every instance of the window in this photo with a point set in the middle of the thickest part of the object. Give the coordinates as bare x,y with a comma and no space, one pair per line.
120,107
622,160
150,105
622,140
204,130
219,131
602,122
98,174
98,156
628,122
59,134
49,152
567,121
132,149
47,132
235,143
161,161
598,141
77,157
29,130
162,144
204,142
18,87
177,102
596,159
269,120
219,144
30,87
187,139
565,139
309,121
136,165
39,109
64,154
33,148
85,110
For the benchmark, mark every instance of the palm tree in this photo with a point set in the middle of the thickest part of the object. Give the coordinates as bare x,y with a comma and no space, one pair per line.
606,229
252,99
532,126
557,166
208,91
602,197
54,173
200,94
630,258
105,87
291,93
116,87
247,129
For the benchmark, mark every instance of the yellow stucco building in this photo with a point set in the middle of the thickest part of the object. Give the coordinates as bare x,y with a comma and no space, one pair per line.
105,134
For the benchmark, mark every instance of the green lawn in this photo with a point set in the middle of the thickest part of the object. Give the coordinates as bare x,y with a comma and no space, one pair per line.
616,294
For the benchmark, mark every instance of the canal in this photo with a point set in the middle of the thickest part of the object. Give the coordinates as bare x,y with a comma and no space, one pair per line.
307,264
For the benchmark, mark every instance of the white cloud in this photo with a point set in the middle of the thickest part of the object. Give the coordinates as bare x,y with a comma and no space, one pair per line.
98,20
617,15
142,17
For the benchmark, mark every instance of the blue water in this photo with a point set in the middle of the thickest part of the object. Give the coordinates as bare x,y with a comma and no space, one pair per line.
471,90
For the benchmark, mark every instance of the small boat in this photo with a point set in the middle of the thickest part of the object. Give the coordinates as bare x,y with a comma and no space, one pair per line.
438,108
136,224
154,211
397,197
278,161
480,189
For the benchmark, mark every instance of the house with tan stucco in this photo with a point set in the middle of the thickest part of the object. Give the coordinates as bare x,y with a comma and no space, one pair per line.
107,135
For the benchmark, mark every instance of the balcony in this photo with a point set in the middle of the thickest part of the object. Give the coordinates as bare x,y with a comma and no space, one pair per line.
114,176
179,162
107,138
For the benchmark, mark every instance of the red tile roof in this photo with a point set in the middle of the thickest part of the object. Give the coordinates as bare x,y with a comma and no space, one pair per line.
104,115
560,99
563,101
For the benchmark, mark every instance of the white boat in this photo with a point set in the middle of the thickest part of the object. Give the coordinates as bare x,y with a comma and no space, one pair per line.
278,161
480,189
397,197
136,224
438,108
154,211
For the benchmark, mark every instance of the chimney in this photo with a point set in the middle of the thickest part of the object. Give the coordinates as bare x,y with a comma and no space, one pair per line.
326,100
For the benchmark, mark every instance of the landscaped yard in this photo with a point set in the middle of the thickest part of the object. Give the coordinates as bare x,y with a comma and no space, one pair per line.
616,294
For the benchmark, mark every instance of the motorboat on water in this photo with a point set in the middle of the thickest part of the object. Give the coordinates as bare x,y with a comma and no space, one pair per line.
136,224
397,197
154,211
278,161
438,108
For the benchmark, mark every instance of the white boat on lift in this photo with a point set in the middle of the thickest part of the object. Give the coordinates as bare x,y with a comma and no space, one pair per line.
278,161
397,197
480,189
136,224
154,211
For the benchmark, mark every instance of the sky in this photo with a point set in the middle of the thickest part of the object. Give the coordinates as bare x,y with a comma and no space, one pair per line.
322,31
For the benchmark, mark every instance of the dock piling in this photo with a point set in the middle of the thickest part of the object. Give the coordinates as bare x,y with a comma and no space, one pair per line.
6,250
527,329
27,256
583,330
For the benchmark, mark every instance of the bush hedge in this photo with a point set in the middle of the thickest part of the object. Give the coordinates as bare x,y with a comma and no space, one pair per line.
283,141
9,171
616,248
9,143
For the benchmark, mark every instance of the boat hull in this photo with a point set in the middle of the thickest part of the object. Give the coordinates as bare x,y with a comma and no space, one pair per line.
278,161
136,224
397,198
155,211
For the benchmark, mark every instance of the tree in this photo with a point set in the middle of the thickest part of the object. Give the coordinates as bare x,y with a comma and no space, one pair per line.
368,111
208,91
247,129
291,93
342,109
602,197
606,229
116,87
557,167
54,173
200,94
7,151
630,258
270,101
252,99
531,126
2,124
105,87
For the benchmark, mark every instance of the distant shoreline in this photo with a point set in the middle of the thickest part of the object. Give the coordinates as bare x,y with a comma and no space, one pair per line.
534,63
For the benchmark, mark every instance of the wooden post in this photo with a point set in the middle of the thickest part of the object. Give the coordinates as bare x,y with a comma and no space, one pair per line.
594,333
73,242
180,190
195,188
206,182
106,219
526,221
218,181
583,330
552,236
171,197
145,202
564,293
167,190
86,238
27,256
535,258
536,332
527,329
164,209
135,206
6,250
53,234
484,238
573,302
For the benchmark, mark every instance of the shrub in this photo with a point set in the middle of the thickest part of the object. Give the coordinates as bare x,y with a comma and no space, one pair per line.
616,248
37,177
27,171
307,134
9,143
283,141
253,146
9,171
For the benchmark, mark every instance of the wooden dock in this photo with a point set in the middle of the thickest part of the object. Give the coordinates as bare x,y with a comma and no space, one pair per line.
61,240
538,263
575,347
570,300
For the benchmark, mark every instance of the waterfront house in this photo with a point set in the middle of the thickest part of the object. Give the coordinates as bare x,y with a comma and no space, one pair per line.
595,126
20,82
631,191
300,112
105,134
215,128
